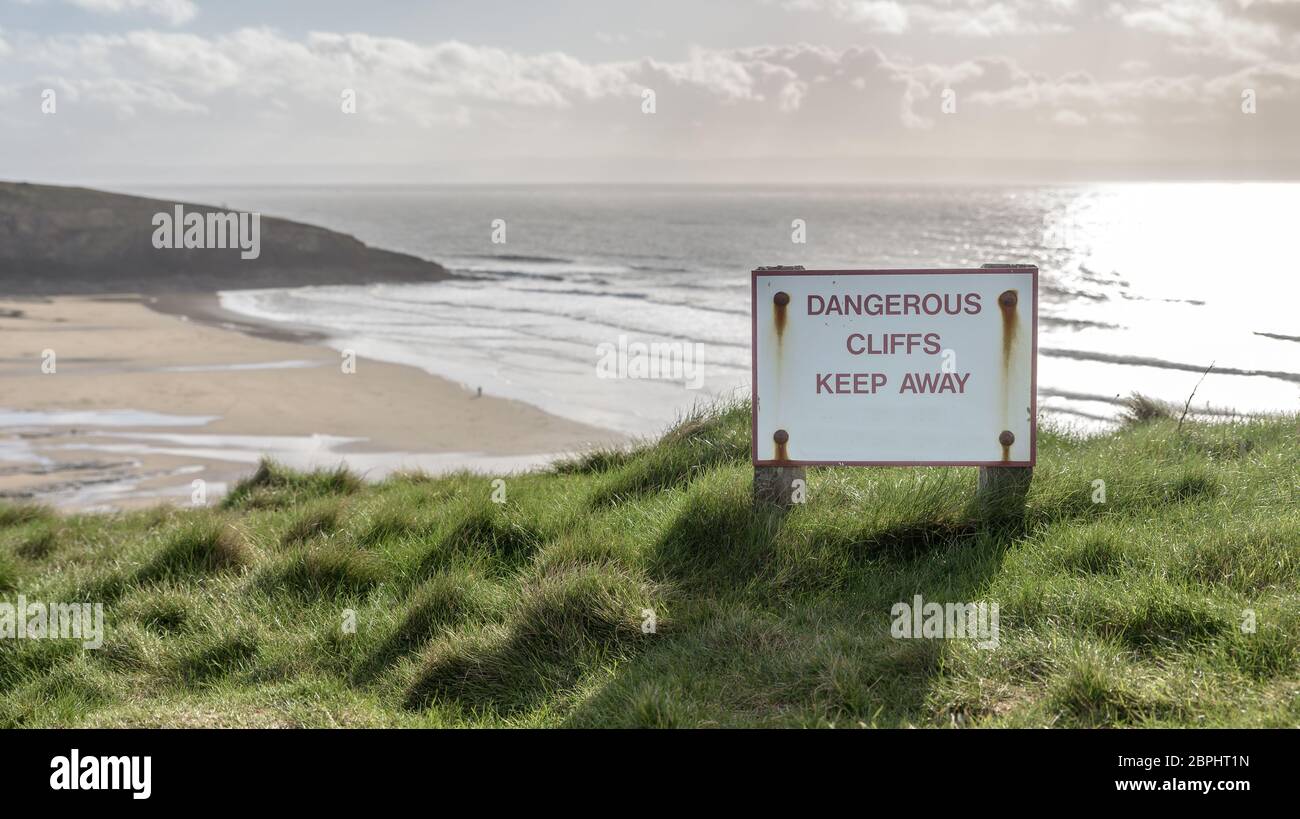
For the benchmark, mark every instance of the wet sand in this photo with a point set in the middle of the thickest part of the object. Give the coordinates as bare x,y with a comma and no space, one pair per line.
142,402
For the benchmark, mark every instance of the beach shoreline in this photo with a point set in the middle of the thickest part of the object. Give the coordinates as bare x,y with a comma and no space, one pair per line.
122,400
205,308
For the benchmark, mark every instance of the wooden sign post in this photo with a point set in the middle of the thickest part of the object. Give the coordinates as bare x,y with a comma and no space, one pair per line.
895,368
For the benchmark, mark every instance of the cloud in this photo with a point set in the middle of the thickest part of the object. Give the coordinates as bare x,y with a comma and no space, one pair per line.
1270,81
997,19
1283,13
1036,90
260,92
1205,27
876,15
127,97
1070,119
958,18
176,12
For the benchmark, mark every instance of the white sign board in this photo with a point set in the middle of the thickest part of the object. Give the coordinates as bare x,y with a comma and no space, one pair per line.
895,367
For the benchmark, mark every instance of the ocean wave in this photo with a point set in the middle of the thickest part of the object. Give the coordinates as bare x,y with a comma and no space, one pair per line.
531,265
519,257
379,310
648,268
551,277
1077,324
1276,336
1145,361
1193,302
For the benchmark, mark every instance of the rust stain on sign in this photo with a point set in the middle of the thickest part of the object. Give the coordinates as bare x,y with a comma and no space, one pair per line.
1007,303
781,437
782,302
1007,438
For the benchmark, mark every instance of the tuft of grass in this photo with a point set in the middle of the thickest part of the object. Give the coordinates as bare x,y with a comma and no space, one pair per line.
17,514
164,610
1271,651
562,623
704,438
166,615
1091,690
42,542
1192,484
274,486
441,605
316,519
593,462
323,572
390,524
1254,558
1142,409
10,572
486,531
221,657
1092,553
653,707
202,546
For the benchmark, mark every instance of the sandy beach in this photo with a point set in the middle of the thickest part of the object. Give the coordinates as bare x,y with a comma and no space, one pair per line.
116,402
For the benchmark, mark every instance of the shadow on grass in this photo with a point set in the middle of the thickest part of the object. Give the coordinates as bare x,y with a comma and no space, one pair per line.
324,572
789,625
225,656
485,530
446,602
566,624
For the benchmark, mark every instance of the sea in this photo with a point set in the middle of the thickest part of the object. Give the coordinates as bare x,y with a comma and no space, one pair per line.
1176,291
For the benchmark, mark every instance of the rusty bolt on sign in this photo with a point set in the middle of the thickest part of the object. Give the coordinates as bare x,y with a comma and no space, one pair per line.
1008,299
1006,438
781,300
781,437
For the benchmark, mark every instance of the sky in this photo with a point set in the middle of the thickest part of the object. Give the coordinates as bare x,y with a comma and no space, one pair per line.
758,91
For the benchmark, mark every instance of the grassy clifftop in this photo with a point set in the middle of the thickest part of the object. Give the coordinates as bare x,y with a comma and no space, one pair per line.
531,611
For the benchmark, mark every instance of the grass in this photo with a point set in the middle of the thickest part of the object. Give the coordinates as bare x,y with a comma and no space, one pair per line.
317,600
